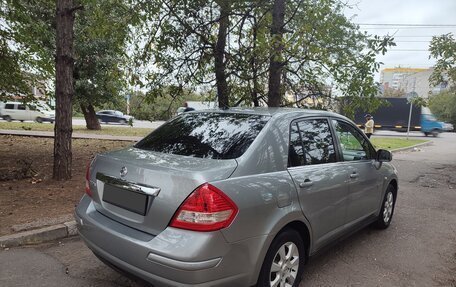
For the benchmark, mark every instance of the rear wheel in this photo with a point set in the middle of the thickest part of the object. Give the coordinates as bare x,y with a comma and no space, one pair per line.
435,133
386,213
39,120
7,118
123,122
284,262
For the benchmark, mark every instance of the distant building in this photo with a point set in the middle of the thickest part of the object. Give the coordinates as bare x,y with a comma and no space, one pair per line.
408,80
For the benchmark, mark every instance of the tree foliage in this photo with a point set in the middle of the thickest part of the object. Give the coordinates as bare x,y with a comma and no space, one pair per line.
102,30
23,61
100,56
320,48
443,105
443,48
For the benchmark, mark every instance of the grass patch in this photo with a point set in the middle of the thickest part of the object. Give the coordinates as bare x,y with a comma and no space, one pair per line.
111,130
390,143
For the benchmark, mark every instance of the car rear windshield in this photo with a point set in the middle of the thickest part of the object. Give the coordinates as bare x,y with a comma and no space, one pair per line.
206,135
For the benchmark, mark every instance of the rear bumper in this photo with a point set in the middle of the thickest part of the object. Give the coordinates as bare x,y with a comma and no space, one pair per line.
174,257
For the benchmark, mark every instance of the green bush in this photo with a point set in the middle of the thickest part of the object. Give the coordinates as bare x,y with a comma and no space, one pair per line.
443,106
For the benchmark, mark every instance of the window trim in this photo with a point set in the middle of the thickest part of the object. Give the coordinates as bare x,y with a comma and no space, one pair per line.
372,150
297,120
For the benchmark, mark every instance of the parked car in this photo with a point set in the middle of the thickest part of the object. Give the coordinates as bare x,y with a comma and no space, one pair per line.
110,116
234,197
38,112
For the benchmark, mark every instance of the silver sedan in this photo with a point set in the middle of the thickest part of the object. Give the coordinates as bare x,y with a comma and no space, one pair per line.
235,197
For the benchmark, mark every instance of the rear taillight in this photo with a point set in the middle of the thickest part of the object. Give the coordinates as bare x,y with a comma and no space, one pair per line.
87,181
206,209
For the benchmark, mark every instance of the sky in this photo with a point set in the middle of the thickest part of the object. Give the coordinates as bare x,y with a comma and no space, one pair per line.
412,41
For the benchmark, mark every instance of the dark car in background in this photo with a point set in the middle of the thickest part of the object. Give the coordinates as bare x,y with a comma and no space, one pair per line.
111,116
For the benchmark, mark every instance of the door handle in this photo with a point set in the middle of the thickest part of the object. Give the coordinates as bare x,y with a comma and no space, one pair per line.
354,175
306,183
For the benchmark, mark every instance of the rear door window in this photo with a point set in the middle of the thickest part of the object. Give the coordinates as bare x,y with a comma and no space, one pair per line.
311,142
206,135
9,106
295,151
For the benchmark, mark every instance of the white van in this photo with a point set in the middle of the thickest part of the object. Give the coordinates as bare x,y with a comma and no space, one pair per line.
39,112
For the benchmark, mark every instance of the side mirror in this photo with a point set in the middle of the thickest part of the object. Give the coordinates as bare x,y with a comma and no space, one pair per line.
384,155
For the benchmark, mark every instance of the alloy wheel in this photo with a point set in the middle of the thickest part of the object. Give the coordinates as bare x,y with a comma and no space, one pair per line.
285,266
388,207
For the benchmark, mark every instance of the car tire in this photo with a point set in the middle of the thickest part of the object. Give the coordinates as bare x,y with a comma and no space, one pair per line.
287,256
426,134
387,211
7,118
123,122
435,133
39,120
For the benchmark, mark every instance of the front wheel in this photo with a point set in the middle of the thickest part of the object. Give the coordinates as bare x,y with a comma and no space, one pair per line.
386,213
39,120
284,262
435,133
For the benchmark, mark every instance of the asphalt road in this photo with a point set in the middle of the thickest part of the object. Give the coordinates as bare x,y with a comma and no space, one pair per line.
136,123
419,248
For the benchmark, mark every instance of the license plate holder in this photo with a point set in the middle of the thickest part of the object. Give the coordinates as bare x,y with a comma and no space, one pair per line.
132,201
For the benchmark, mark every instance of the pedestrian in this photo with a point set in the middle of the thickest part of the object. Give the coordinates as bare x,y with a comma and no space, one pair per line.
369,126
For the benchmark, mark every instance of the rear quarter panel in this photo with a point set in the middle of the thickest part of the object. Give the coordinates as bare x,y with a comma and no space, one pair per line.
266,203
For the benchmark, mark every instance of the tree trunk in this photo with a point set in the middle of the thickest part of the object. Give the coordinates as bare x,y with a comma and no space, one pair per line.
219,55
254,66
276,57
90,117
64,90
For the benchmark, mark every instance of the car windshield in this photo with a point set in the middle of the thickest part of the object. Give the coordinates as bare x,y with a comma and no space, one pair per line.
206,135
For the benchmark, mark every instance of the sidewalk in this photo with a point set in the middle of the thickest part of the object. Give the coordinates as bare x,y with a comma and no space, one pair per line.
45,134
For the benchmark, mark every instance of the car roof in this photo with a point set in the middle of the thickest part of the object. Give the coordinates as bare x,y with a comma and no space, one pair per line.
266,111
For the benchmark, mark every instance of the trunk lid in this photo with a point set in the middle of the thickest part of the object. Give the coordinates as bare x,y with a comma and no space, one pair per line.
175,177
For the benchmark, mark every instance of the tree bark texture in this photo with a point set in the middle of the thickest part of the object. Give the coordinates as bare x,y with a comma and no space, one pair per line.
276,57
64,89
90,117
219,55
254,67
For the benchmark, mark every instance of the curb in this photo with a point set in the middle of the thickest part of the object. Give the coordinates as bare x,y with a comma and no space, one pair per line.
41,235
429,142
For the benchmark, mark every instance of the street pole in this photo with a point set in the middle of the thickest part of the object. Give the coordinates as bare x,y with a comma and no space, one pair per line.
410,113
409,119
